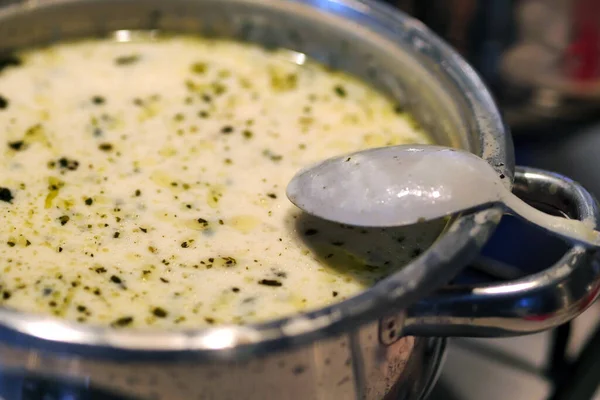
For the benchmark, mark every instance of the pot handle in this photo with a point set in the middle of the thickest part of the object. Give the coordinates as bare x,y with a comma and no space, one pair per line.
533,303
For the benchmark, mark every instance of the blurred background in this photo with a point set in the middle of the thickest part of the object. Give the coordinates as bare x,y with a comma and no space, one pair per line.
541,59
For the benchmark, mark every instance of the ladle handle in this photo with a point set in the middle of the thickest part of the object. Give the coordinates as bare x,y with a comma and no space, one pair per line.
571,230
530,304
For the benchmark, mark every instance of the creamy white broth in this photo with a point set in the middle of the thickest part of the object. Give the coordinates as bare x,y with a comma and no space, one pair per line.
143,183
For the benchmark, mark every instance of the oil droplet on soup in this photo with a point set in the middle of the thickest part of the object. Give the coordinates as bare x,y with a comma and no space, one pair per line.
143,184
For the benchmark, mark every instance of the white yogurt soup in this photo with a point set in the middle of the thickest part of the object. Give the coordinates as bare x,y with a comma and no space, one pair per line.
142,184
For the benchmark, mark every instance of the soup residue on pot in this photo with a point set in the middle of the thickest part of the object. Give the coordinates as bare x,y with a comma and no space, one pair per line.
143,183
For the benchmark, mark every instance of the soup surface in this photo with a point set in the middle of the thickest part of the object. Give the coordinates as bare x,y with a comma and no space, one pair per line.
143,183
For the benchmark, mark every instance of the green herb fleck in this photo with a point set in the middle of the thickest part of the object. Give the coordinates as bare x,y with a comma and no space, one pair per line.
6,195
229,261
219,88
340,91
105,146
270,282
272,156
65,163
127,60
247,134
202,222
123,321
18,145
98,100
159,312
227,129
199,68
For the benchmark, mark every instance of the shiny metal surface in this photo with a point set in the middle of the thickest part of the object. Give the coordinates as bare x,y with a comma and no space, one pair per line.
532,304
395,186
351,366
333,353
422,369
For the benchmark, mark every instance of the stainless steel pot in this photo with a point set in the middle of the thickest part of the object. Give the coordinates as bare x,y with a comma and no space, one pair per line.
370,346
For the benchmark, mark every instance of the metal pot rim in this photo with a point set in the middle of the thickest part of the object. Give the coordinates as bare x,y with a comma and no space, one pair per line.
432,269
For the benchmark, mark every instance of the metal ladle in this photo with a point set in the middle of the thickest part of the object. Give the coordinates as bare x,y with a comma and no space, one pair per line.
403,185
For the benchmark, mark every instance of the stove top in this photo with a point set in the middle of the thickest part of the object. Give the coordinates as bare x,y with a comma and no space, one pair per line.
523,368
